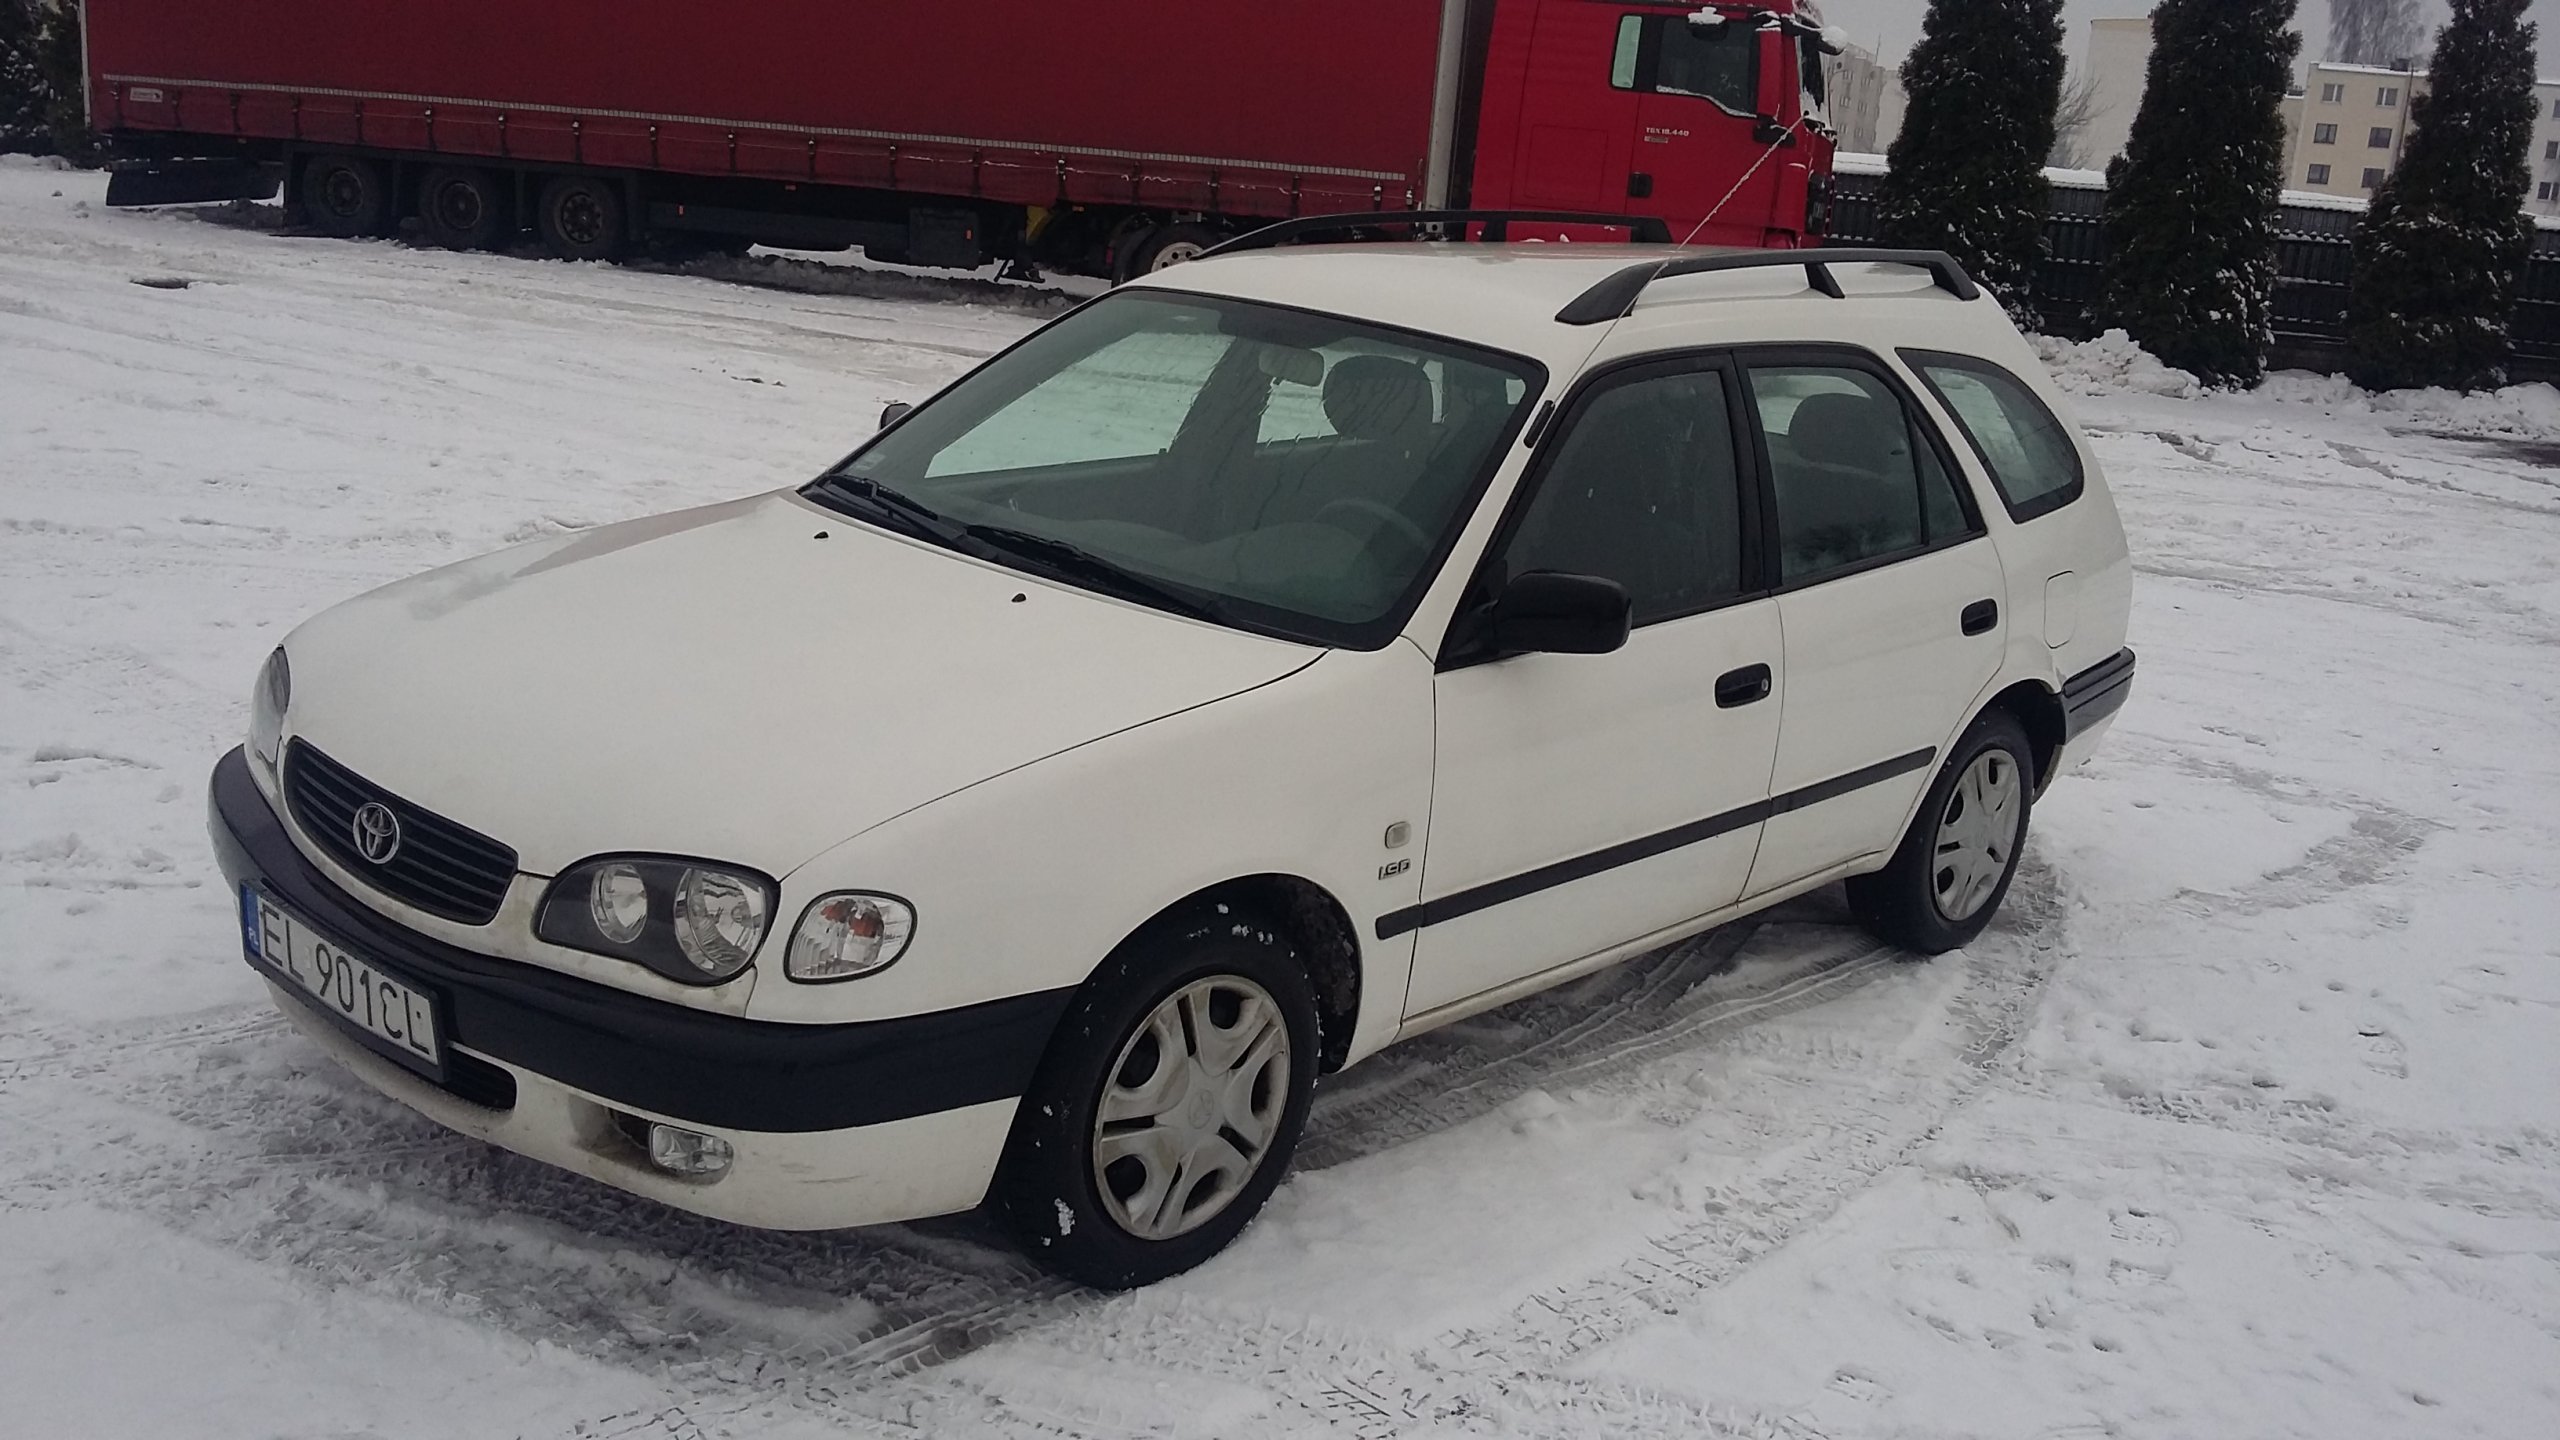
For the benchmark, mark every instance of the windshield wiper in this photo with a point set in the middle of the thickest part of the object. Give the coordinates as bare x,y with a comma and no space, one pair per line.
900,509
1071,561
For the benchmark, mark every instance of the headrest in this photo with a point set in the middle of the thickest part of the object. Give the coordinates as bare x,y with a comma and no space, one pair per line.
1856,432
1376,397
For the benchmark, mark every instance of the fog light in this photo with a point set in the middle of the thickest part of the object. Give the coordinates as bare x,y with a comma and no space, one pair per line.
688,1153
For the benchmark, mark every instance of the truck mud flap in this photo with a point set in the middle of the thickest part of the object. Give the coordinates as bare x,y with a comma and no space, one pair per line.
192,182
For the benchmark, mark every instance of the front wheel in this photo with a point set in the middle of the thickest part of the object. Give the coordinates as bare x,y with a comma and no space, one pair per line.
1168,1105
1953,868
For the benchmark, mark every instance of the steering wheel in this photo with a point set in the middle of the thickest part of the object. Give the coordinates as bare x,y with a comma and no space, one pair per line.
1387,516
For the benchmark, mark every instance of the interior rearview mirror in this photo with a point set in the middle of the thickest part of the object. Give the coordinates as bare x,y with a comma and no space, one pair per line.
1546,613
1293,364
894,412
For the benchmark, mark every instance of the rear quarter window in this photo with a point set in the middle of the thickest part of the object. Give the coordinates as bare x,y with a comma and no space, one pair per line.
2021,442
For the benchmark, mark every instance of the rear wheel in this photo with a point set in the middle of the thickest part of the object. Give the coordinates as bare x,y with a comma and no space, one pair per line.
1167,1107
346,196
464,208
580,218
1953,868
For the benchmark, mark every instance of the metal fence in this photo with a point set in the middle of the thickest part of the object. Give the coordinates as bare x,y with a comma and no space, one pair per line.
2314,258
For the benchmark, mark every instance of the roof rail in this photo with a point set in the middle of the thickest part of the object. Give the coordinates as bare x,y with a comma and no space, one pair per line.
1641,229
1614,297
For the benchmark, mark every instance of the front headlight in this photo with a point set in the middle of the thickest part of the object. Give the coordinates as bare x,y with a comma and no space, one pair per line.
267,702
848,935
686,919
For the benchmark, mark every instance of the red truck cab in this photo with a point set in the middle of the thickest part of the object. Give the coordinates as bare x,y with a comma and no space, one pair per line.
1108,140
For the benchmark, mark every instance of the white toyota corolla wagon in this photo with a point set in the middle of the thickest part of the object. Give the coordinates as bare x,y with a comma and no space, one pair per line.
1269,660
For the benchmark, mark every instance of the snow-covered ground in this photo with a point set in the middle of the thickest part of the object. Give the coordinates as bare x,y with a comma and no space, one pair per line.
2244,1121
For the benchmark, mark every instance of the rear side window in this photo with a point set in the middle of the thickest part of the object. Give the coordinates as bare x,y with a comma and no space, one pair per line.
2026,449
1854,483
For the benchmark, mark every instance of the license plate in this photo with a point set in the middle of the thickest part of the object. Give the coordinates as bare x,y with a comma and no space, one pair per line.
349,987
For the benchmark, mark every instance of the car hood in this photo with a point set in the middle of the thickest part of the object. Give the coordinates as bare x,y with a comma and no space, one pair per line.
752,682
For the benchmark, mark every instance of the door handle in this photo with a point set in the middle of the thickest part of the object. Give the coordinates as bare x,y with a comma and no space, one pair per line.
1736,688
1980,616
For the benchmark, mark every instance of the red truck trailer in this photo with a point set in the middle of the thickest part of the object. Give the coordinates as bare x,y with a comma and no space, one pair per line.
1101,139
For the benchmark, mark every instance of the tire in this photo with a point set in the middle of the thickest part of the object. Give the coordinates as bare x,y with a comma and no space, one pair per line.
1165,247
1953,869
580,218
346,197
461,207
1154,1191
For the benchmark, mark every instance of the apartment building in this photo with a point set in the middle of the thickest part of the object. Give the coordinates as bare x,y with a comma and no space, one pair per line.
2352,122
1860,84
2119,68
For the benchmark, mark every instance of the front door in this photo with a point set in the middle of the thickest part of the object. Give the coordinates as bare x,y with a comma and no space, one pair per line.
1698,128
1584,801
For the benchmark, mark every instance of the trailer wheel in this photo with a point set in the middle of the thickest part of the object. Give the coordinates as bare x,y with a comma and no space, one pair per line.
580,218
1163,248
346,197
462,208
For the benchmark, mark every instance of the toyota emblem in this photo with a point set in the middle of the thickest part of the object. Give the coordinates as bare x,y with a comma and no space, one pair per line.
377,832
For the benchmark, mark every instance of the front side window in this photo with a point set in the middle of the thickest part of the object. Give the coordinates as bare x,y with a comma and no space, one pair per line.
1666,55
1645,489
1852,480
1291,473
2021,442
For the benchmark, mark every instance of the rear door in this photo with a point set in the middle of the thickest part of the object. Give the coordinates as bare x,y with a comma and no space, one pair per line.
1890,593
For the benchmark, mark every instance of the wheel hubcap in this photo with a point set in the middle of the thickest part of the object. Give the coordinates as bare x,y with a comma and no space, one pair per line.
458,206
1977,837
342,192
1191,1106
581,219
1177,253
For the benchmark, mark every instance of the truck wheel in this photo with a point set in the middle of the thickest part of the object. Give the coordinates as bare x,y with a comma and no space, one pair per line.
1954,866
346,197
580,218
1168,1104
462,208
1163,248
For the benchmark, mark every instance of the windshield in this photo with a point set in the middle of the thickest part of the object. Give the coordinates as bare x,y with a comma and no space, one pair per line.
1269,468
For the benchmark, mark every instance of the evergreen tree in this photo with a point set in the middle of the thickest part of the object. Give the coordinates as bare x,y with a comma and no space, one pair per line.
2191,214
2440,254
1967,171
24,97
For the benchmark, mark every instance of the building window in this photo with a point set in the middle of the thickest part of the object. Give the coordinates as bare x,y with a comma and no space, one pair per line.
2551,149
2546,191
2373,179
2319,175
2388,97
2380,139
2337,95
2324,134
2555,109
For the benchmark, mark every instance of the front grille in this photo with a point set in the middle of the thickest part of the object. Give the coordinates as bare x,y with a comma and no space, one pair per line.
468,1077
439,867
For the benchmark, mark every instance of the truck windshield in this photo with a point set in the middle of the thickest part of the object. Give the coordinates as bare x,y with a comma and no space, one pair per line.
1291,473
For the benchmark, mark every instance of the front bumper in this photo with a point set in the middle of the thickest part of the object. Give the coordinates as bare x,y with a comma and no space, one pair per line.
832,1125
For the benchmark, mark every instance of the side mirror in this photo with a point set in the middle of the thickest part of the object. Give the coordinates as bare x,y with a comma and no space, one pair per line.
1549,614
894,412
